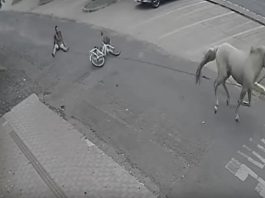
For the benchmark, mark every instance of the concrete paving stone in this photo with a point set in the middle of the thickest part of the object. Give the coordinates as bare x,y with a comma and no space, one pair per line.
17,176
76,168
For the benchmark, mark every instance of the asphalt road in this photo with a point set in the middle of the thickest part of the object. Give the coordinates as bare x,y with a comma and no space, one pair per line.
256,6
144,104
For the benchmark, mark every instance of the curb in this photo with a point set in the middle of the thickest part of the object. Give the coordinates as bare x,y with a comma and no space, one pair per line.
259,88
239,9
93,9
43,2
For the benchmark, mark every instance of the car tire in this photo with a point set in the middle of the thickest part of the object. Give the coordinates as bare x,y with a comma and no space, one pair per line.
155,3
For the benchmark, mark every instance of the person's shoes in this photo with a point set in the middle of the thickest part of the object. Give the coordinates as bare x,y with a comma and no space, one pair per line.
53,55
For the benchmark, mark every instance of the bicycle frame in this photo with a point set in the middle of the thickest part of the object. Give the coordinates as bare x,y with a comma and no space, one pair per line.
103,52
106,48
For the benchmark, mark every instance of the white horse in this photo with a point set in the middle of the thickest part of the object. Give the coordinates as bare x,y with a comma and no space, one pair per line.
244,67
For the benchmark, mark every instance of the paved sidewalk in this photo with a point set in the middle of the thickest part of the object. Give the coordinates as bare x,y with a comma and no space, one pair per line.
42,155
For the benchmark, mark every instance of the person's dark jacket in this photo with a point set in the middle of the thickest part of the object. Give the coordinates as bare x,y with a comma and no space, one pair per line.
58,38
106,39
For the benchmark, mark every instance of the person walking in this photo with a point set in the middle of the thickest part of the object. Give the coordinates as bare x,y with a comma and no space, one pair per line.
58,43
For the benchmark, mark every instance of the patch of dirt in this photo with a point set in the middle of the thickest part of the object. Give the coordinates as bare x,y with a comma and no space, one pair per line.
15,86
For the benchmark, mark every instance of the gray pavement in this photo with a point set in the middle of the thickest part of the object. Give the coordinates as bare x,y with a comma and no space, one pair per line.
145,103
44,156
178,20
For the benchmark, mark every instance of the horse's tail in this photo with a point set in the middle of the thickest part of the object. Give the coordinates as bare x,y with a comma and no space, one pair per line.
208,57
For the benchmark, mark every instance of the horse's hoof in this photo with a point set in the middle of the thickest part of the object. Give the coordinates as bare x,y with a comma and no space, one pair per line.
247,104
215,109
237,118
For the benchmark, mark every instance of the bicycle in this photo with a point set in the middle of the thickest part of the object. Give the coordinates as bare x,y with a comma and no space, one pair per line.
97,54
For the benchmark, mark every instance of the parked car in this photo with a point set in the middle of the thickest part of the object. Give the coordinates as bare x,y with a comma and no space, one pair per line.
154,3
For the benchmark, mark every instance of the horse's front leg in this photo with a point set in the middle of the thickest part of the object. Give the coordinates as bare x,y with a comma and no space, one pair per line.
245,103
241,97
227,94
216,97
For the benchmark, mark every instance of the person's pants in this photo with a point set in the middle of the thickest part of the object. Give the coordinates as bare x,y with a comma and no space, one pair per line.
57,47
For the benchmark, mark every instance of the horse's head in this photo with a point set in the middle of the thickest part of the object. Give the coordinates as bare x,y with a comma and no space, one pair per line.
259,52
262,51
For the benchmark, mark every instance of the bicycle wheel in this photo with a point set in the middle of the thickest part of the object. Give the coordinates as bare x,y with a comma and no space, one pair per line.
114,52
97,62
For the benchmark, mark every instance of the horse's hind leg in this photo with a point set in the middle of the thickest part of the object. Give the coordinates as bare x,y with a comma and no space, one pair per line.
249,96
242,95
226,90
217,82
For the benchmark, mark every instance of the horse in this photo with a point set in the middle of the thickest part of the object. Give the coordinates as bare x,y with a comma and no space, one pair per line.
243,66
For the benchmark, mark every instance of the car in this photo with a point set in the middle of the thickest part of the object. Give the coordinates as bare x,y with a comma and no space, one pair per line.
154,3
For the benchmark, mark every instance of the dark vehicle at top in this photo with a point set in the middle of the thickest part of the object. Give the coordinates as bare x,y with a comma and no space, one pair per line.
154,3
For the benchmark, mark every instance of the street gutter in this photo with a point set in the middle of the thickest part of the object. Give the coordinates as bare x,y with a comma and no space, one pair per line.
239,9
